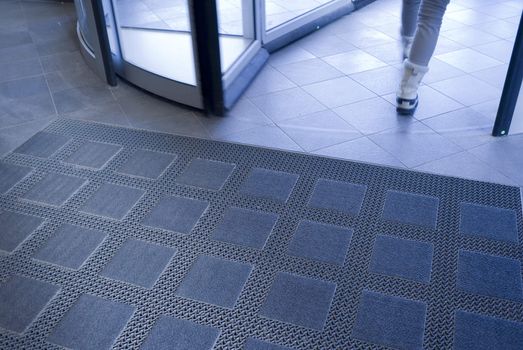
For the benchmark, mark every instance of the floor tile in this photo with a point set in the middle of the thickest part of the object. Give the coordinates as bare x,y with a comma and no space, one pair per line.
321,242
107,113
14,136
138,262
93,154
63,61
70,246
465,165
354,61
318,130
309,71
489,275
54,189
322,44
390,321
380,81
268,80
112,201
504,156
24,110
270,184
72,100
264,136
22,88
20,69
411,208
176,214
467,90
91,323
215,281
147,164
21,301
299,300
500,50
429,146
469,36
363,150
404,258
338,92
14,38
206,173
16,228
465,127
372,115
337,195
489,222
289,54
440,70
43,145
255,344
473,331
169,333
366,37
245,227
287,104
468,60
494,76
470,17
10,175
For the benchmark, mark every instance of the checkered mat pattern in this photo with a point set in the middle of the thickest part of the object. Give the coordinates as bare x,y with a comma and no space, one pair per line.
120,238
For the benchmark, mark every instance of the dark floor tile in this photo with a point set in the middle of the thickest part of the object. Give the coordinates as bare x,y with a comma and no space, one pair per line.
299,300
489,222
255,344
390,321
176,214
321,242
21,300
245,227
275,185
169,333
148,164
205,173
91,323
337,195
403,258
215,281
93,154
411,208
22,88
70,246
480,332
139,262
20,111
20,69
54,189
15,228
43,145
75,99
10,175
113,201
489,275
14,38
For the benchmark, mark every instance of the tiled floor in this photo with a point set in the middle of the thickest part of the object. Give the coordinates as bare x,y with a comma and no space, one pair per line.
330,93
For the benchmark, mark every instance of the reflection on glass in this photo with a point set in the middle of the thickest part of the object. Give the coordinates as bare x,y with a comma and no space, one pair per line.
81,14
156,35
278,12
236,28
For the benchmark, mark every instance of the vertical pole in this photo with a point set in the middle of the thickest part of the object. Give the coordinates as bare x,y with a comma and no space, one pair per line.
509,97
204,24
103,39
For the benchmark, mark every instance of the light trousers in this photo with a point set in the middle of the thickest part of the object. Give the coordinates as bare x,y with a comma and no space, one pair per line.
422,20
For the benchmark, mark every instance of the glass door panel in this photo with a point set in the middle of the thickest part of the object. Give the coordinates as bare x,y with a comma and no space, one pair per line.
278,12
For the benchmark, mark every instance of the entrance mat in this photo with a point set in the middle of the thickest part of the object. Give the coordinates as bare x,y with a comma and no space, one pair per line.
121,238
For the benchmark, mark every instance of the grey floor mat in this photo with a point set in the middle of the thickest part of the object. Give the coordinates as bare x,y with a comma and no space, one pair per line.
160,241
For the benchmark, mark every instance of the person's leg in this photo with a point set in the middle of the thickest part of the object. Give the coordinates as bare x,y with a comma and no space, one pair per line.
416,65
409,23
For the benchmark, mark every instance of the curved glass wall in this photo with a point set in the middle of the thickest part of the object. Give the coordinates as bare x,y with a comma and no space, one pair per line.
88,35
278,12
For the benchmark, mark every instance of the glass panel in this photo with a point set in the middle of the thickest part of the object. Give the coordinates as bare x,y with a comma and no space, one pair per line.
156,35
236,28
278,12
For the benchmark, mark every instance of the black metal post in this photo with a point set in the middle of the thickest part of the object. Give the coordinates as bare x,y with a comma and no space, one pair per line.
103,38
511,88
204,21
